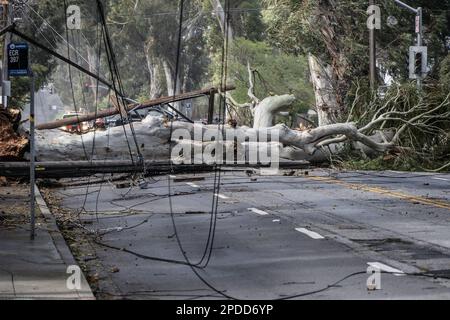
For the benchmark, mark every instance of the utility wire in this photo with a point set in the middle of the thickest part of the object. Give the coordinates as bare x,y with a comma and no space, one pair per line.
116,78
213,214
64,39
71,83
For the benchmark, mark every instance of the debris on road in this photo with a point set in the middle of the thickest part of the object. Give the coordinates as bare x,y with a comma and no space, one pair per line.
12,145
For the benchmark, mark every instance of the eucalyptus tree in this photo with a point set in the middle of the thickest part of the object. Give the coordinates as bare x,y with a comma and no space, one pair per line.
145,35
335,36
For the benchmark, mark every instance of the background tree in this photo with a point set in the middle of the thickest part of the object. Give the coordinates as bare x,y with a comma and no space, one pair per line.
336,34
42,63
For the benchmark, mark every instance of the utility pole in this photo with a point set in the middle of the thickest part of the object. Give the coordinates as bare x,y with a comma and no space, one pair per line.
32,162
373,57
19,65
7,41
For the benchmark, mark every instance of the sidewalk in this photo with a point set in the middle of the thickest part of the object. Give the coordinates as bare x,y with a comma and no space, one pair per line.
33,269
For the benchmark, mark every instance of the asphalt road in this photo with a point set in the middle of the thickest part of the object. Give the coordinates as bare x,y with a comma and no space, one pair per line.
275,236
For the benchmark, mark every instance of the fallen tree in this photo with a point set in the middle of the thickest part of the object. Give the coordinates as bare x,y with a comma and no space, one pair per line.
155,135
374,127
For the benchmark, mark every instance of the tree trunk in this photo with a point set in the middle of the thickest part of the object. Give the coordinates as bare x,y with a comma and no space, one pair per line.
93,67
153,68
327,106
170,84
219,12
326,21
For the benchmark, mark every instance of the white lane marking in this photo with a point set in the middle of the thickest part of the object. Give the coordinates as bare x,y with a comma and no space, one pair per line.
221,196
310,233
171,176
386,268
276,220
257,211
441,179
193,185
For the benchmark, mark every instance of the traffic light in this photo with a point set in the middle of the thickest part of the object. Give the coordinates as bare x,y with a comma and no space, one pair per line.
418,57
418,64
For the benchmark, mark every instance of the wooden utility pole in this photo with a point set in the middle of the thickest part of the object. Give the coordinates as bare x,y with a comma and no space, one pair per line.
131,107
373,55
32,159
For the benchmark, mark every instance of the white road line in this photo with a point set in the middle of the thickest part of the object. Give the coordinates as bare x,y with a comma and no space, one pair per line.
385,268
193,185
221,196
257,211
310,233
171,176
441,179
276,220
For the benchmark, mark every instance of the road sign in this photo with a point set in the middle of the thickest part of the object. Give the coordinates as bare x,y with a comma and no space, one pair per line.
18,60
417,24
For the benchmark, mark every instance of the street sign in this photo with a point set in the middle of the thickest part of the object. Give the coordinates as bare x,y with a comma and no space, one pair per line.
18,60
417,24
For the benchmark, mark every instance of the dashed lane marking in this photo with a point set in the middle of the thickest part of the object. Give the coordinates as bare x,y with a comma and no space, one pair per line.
193,185
385,268
443,179
221,196
257,211
310,233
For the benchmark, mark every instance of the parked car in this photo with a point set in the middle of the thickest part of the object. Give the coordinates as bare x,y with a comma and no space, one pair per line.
118,120
159,111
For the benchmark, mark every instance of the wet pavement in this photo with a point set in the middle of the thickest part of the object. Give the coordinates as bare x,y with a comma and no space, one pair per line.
275,236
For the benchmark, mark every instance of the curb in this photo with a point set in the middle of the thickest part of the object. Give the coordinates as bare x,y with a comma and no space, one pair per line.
61,246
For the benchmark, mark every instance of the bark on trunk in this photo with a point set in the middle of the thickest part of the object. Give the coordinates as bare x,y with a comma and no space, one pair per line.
170,75
327,106
328,23
93,67
219,12
153,69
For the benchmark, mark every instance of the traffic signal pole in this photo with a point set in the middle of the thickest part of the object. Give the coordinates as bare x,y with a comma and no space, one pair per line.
373,59
419,31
